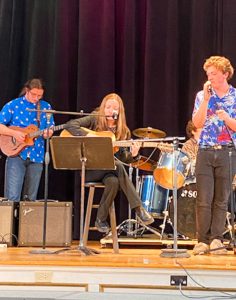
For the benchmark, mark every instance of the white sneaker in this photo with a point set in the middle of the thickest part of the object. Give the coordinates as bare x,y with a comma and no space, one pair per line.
200,248
218,246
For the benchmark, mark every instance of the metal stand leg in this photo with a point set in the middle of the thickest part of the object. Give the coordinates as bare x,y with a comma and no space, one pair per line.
166,215
46,162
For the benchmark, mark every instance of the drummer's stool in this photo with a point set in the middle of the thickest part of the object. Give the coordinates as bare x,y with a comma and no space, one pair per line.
92,186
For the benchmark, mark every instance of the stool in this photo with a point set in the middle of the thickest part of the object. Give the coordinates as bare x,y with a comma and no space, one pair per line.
90,205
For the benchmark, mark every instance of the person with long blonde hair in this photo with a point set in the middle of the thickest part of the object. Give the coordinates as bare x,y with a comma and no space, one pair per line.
110,116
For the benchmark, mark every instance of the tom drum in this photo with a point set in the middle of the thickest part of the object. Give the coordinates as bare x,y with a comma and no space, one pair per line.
154,197
164,172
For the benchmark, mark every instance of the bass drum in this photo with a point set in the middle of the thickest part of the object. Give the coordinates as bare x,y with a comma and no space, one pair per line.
186,211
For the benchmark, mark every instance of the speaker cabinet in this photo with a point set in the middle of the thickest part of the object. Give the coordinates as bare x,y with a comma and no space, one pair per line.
58,224
8,215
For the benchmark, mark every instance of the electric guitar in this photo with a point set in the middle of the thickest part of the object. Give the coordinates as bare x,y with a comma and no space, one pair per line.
11,147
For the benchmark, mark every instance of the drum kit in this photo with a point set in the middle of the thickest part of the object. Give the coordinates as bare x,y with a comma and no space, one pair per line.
156,189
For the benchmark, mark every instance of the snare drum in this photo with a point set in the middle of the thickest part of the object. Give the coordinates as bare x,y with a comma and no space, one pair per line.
154,197
164,172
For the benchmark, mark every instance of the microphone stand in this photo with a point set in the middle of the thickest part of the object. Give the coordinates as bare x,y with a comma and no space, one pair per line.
46,163
175,252
232,243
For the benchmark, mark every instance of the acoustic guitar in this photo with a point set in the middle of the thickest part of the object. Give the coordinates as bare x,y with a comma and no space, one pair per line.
144,143
11,147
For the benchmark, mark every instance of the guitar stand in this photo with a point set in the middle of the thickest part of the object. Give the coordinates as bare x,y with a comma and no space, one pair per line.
86,153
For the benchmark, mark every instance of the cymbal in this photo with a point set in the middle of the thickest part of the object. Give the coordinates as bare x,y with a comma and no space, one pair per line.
148,132
145,164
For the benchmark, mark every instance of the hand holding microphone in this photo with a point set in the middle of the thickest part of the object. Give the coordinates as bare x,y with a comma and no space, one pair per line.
207,89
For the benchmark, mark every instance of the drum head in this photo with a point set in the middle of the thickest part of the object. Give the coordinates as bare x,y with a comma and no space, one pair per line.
186,211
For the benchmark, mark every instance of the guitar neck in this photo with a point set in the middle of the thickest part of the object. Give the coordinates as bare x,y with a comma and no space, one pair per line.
40,132
130,143
144,144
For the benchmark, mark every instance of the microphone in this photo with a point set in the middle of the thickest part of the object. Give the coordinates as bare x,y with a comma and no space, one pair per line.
115,115
210,90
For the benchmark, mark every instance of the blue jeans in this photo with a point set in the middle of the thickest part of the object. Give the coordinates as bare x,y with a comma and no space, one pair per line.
22,178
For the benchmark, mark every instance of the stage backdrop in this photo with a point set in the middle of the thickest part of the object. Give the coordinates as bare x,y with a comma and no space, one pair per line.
150,52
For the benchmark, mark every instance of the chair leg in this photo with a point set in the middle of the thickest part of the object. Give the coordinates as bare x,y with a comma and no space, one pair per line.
113,228
88,215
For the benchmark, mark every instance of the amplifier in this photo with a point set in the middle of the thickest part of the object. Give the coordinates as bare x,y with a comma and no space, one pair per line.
8,215
58,223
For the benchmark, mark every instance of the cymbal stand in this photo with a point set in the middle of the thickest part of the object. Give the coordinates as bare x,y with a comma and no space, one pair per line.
166,218
175,252
229,226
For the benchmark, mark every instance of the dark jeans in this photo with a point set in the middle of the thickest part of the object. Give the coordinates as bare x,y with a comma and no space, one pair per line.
113,181
213,187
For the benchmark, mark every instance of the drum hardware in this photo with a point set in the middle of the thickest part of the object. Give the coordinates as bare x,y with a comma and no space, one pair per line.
166,219
148,133
229,227
133,227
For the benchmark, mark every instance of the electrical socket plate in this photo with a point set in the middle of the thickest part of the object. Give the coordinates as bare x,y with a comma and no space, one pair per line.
178,279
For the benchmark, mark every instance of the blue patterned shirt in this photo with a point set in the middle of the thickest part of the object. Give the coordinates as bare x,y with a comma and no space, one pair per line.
15,113
214,131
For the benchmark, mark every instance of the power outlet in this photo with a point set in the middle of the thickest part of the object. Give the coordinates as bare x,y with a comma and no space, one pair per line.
178,279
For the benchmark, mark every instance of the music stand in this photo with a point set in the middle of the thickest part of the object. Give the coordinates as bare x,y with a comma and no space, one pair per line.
82,153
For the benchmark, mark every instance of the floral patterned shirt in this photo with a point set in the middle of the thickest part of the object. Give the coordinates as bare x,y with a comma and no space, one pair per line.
15,113
214,131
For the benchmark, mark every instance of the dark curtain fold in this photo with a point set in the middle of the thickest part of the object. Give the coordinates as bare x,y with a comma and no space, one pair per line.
151,52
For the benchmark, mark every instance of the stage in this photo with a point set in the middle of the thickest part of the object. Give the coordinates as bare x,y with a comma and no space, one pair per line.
137,271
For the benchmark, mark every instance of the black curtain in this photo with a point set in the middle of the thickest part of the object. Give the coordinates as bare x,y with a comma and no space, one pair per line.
150,52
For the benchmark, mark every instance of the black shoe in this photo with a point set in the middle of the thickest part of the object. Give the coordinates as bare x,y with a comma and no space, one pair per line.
143,215
102,226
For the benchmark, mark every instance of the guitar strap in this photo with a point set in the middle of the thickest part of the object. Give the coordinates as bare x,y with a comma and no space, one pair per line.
38,114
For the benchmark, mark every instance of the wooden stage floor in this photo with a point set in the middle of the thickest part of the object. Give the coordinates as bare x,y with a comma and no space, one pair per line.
137,269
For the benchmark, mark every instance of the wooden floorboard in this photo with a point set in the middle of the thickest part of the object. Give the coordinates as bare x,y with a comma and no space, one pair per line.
138,269
132,256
